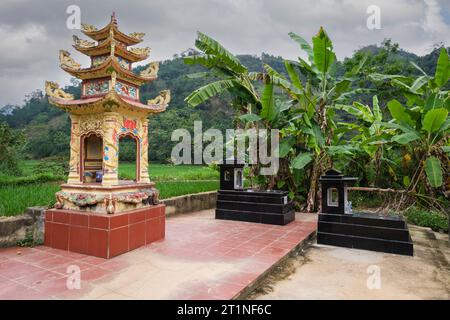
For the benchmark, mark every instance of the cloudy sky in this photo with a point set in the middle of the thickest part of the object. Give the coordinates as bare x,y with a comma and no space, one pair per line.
32,31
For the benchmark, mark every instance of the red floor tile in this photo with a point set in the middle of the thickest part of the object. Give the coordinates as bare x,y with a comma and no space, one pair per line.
53,262
52,287
95,273
251,248
38,278
14,291
63,269
15,269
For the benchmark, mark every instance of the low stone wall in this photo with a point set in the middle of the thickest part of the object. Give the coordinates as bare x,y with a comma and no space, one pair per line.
190,203
31,223
14,229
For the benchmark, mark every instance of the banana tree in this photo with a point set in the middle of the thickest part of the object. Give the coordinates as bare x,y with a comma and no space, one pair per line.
254,109
368,136
313,85
422,124
232,76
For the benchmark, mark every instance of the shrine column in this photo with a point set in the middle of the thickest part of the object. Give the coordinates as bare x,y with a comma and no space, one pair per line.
74,163
110,149
144,177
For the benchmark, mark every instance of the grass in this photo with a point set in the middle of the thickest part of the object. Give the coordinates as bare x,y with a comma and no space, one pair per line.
18,193
167,172
15,199
425,218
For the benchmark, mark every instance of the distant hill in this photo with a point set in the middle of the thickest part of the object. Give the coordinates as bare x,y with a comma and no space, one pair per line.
48,128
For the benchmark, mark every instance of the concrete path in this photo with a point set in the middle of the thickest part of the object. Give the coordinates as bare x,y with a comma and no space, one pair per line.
325,272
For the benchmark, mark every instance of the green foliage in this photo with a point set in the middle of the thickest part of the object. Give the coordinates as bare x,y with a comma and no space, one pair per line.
11,141
424,218
422,125
323,57
57,166
32,179
28,241
433,171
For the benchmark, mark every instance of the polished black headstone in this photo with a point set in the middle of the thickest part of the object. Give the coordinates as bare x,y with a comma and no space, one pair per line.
269,207
339,226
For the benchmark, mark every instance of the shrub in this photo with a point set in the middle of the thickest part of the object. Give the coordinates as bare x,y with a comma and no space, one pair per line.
56,165
33,179
434,220
11,141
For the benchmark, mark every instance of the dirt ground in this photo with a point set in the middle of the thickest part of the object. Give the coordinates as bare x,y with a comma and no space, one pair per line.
326,272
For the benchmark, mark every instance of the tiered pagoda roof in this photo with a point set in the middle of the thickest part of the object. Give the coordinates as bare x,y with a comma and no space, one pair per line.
103,33
110,75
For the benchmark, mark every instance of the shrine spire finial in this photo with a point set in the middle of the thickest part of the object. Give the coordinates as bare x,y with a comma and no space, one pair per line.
113,17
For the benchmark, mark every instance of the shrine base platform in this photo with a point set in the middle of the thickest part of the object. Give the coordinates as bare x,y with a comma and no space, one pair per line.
104,235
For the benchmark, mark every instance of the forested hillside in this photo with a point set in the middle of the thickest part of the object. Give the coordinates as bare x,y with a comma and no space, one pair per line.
47,128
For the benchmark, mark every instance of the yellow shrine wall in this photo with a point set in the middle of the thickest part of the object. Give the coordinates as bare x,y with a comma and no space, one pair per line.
110,126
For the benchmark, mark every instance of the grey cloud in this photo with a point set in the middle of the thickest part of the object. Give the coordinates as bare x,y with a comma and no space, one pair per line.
33,31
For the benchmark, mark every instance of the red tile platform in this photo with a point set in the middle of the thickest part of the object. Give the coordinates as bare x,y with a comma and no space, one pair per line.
104,236
199,258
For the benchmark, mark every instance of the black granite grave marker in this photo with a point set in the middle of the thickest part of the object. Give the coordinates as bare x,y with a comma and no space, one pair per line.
339,226
234,202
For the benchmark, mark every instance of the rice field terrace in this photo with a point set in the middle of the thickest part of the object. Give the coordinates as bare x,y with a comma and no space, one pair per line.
38,189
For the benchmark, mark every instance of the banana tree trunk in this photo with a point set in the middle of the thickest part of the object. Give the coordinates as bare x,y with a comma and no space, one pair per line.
313,196
313,199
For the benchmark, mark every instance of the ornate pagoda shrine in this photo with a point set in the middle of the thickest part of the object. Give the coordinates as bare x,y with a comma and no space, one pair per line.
93,199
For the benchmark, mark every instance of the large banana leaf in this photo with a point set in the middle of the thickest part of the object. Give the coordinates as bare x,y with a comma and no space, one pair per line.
301,160
268,111
419,83
280,81
434,171
292,74
304,45
442,69
324,56
212,47
405,138
433,101
210,90
418,68
376,109
398,112
434,119
367,113
382,77
350,109
285,146
403,127
207,60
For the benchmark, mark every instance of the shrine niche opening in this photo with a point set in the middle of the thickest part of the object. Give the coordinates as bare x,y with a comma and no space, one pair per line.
129,154
91,157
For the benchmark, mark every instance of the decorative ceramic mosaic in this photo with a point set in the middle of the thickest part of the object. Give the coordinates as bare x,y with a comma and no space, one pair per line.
126,90
123,62
97,60
96,87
